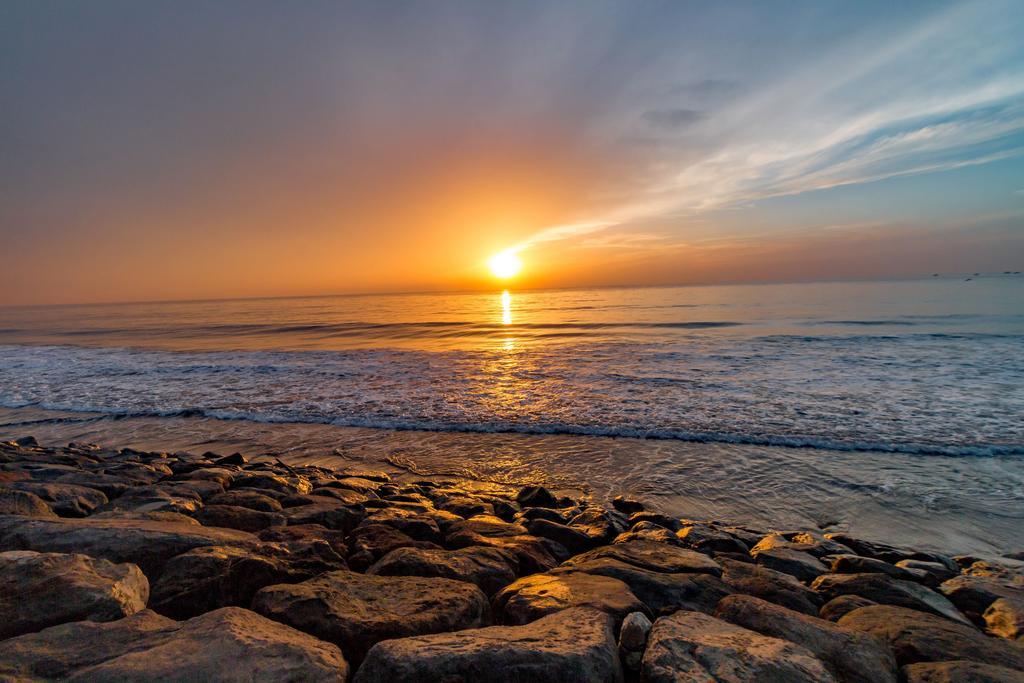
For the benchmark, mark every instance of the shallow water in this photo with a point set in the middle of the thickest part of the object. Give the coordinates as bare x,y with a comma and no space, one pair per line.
900,403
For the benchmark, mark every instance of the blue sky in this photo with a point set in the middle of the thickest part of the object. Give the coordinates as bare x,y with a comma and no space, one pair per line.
652,142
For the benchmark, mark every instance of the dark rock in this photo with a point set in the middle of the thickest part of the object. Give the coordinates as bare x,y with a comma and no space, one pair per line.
919,637
526,515
574,540
1005,618
655,557
536,497
488,568
973,594
706,539
233,459
273,482
633,641
207,578
23,503
155,498
648,531
246,498
851,656
669,523
539,595
886,590
26,441
230,644
959,672
45,589
768,584
333,516
690,646
627,506
234,517
298,536
419,527
371,542
67,500
802,565
600,525
571,645
356,611
855,564
936,571
144,543
836,608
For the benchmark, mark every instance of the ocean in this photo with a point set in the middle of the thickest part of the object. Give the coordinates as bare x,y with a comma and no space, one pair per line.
838,403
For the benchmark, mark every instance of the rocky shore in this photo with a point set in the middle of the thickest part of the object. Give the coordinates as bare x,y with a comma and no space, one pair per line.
138,566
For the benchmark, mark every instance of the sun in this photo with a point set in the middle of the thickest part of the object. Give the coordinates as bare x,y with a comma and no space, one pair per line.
505,264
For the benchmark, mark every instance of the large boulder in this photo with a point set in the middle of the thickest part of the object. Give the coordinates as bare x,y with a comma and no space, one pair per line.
370,542
571,645
45,589
209,577
67,500
574,540
539,595
661,592
973,594
768,584
23,503
886,590
488,568
851,656
355,611
655,557
691,646
1005,618
148,544
919,637
802,565
228,645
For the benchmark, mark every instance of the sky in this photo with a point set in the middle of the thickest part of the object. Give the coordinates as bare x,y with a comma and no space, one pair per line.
179,150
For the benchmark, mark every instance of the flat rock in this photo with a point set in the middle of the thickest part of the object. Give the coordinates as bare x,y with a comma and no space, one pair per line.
237,517
661,592
66,500
919,637
655,557
691,646
572,645
230,644
707,539
768,584
204,579
331,515
147,544
851,656
273,482
45,589
246,498
370,542
937,571
973,594
574,540
356,611
802,565
488,568
855,564
959,672
539,595
886,590
23,503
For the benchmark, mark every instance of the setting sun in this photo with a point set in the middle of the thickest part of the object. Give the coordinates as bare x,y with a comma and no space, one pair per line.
505,264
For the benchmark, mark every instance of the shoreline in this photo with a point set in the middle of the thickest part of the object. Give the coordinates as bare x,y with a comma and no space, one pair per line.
128,563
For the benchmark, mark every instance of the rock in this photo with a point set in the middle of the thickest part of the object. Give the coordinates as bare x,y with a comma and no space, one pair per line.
661,592
66,500
820,544
332,516
648,531
959,672
204,579
156,499
345,496
26,441
627,505
936,571
230,644
850,656
45,589
571,645
356,611
157,516
655,557
419,527
527,515
144,543
273,482
633,634
574,540
1005,618
358,484
302,535
973,594
235,517
836,608
23,503
536,497
803,566
919,637
706,539
539,595
887,591
466,507
669,523
371,542
768,584
488,568
879,551
690,646
246,498
598,524
234,459
855,564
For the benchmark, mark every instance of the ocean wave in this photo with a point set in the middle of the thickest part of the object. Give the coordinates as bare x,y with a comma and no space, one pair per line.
768,440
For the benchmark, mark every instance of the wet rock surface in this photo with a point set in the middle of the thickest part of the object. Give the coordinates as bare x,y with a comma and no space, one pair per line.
134,565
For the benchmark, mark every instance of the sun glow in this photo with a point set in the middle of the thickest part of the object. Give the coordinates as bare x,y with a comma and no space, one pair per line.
505,264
